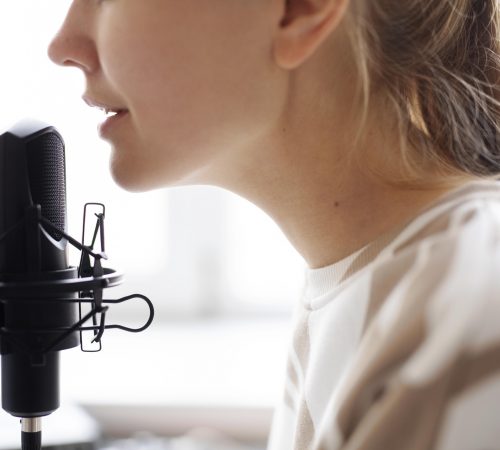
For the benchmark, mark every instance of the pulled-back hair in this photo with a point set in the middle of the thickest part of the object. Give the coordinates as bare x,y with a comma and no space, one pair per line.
439,63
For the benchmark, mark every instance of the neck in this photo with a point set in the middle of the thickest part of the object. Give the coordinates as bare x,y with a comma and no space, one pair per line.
316,182
327,218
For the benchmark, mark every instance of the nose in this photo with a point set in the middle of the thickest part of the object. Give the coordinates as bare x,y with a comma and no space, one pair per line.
73,44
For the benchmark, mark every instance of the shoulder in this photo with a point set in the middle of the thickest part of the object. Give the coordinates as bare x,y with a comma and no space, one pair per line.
443,266
455,217
451,281
427,372
457,237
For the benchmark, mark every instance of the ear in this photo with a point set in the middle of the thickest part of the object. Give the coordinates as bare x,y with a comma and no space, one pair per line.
304,27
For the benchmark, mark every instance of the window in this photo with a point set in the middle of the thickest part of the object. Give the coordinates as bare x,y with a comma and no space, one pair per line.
195,251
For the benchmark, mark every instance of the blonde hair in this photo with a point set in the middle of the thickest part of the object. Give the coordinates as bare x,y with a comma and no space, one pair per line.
438,61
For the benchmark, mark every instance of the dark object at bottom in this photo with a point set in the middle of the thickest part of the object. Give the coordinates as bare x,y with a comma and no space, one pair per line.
31,441
83,446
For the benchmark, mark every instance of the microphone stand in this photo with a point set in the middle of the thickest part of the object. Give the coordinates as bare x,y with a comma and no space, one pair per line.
31,433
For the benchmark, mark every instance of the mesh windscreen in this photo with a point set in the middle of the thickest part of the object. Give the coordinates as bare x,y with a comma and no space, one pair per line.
46,168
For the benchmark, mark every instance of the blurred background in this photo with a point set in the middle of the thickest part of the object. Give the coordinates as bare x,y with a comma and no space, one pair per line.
222,277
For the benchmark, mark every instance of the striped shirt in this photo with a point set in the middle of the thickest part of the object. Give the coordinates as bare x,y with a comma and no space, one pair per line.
397,347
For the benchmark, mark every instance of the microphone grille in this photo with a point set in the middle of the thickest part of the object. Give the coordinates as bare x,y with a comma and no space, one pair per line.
46,167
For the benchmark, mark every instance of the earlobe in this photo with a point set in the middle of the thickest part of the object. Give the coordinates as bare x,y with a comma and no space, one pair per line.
305,25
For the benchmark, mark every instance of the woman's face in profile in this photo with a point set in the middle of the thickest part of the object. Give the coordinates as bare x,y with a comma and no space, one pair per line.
194,81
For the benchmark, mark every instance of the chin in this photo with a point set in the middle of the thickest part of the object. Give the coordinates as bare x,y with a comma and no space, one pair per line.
135,174
132,179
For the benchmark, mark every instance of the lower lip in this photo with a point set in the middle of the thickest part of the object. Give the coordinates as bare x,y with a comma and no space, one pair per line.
106,127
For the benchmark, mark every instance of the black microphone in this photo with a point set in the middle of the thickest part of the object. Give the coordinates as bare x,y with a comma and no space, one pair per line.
40,294
33,183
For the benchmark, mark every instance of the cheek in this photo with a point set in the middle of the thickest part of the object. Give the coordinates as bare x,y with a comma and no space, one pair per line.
197,63
199,82
192,94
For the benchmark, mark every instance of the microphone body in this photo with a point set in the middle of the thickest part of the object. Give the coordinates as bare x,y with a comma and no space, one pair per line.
33,185
41,296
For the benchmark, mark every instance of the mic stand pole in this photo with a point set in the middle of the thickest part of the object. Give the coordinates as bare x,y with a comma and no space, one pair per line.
31,433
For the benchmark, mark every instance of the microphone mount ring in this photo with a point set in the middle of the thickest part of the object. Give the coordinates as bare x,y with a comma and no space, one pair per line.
65,332
89,288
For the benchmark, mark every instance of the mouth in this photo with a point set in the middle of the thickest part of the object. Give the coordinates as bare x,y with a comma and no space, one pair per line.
113,118
108,109
113,115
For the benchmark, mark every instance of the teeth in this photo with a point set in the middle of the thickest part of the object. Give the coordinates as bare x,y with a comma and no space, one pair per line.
110,113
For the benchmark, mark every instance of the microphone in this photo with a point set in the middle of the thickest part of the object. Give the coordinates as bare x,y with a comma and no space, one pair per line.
41,295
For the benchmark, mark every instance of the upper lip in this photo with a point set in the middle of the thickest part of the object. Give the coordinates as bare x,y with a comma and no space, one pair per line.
107,107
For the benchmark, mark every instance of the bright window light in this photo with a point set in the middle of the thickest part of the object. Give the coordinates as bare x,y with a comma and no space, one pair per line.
195,251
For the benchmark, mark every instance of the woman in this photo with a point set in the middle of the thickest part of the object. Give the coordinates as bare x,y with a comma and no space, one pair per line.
367,129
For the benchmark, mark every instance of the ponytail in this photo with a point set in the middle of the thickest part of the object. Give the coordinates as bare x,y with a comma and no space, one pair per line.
439,62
